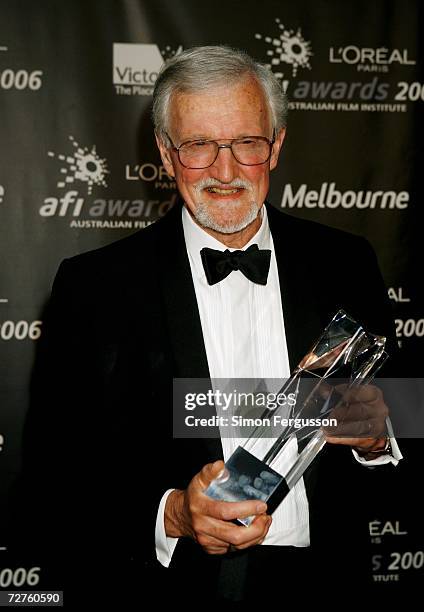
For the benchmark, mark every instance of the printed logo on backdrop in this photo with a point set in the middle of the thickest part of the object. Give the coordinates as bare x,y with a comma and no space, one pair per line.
80,173
330,195
2,193
136,67
368,59
150,173
395,557
408,324
16,330
15,77
84,166
365,78
288,47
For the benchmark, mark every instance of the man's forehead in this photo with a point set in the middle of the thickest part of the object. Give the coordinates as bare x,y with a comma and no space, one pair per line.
246,89
239,105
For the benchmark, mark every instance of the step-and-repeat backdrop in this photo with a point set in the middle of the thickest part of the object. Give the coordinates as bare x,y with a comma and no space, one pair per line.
79,169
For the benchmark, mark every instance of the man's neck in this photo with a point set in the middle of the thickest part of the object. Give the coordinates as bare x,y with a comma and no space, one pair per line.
237,240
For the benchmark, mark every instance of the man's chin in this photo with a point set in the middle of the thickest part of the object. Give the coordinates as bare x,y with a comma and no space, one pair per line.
229,228
227,223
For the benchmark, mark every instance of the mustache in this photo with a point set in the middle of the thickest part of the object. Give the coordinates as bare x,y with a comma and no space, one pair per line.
211,182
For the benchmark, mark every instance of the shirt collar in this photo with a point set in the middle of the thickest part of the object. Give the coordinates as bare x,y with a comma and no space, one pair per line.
197,238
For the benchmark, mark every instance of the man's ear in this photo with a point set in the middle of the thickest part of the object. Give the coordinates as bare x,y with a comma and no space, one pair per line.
276,148
166,157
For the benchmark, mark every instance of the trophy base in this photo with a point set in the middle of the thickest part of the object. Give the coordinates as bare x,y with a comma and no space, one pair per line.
247,478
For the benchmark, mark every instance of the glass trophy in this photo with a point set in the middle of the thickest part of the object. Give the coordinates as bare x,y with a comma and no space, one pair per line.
267,466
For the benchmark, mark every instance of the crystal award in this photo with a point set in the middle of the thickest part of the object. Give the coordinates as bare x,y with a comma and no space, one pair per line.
344,351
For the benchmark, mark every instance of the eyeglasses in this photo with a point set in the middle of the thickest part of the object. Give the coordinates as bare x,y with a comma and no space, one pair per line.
248,151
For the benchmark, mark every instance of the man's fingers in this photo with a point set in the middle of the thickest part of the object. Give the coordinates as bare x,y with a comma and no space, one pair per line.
225,512
255,533
366,428
355,413
367,394
209,530
364,443
240,536
229,511
217,550
211,520
361,413
206,539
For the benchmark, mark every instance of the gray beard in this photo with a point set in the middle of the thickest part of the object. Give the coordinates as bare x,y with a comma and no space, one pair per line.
204,218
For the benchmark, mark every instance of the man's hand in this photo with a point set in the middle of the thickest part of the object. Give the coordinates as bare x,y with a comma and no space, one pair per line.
193,514
361,417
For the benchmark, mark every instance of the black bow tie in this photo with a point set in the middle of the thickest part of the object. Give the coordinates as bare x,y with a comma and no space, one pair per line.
252,262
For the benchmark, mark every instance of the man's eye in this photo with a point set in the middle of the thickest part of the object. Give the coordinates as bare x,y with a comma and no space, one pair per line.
196,144
247,141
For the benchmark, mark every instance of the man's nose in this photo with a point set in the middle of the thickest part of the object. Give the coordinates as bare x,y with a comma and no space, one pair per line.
225,167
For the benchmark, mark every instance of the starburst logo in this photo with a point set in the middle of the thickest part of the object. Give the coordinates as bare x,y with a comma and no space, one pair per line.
168,52
84,165
289,48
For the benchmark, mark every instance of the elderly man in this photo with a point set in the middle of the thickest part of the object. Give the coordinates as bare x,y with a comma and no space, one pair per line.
220,126
223,286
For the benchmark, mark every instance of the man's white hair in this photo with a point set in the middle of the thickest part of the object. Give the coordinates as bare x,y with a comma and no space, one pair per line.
202,68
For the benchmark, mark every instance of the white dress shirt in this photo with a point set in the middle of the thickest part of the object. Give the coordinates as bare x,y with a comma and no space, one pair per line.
243,331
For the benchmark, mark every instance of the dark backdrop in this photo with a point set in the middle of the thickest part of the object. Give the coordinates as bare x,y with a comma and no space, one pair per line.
79,169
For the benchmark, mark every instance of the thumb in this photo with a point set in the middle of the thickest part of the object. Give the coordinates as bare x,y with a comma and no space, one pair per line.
210,472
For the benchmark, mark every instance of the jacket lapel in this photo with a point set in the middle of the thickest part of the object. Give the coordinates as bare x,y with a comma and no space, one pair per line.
181,309
179,298
297,278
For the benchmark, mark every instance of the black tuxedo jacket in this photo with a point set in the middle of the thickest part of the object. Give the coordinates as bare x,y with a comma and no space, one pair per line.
122,322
